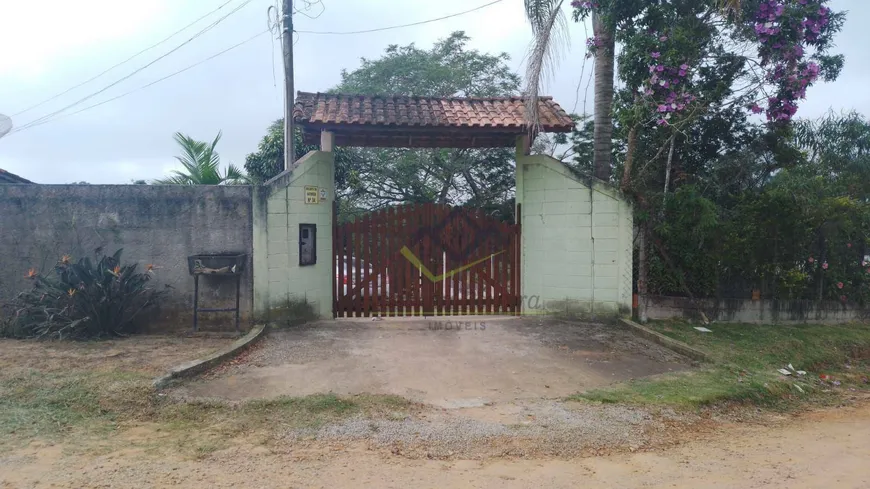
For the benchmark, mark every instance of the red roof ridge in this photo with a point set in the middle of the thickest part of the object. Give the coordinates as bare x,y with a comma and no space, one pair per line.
417,97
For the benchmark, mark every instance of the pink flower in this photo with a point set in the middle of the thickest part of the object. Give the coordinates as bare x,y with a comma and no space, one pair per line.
842,298
663,38
655,54
811,260
848,245
839,285
756,109
825,265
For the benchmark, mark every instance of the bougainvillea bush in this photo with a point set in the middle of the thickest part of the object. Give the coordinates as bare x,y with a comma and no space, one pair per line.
82,300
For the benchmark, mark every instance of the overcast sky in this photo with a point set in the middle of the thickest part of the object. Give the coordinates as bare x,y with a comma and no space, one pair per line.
49,46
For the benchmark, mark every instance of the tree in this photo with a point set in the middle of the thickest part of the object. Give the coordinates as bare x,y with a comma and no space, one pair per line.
550,30
201,165
370,178
693,73
268,160
782,34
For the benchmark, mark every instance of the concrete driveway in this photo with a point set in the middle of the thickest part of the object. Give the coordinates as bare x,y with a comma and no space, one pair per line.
451,363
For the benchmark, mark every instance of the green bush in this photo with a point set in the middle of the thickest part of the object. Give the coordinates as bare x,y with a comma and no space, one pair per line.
82,300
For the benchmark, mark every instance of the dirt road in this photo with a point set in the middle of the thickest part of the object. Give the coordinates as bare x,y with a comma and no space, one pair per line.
825,449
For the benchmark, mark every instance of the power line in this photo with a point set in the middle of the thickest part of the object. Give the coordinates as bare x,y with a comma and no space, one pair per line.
400,26
149,84
179,31
51,117
201,32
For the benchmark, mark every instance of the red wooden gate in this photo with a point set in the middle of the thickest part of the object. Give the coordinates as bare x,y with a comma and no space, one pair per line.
426,260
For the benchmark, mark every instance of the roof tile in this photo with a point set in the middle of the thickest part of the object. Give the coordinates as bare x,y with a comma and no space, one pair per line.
430,112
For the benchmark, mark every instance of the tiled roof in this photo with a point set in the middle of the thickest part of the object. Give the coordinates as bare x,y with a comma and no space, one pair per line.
499,112
434,122
6,177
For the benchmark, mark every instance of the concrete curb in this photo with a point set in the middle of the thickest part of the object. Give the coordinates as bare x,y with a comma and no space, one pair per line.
194,367
670,343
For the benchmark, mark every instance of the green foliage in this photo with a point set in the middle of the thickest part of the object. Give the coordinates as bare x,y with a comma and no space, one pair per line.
449,69
268,160
201,165
87,299
767,212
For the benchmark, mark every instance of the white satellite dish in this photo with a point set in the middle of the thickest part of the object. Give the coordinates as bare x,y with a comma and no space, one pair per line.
5,125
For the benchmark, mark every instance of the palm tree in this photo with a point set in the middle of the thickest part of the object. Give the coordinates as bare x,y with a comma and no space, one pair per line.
550,30
202,165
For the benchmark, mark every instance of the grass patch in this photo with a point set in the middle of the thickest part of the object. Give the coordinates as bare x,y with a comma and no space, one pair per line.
746,361
38,404
54,405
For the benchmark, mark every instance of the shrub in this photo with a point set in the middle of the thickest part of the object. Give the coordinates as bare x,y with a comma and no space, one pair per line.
82,300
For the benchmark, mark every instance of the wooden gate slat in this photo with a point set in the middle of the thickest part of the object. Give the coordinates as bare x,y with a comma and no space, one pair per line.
348,269
382,254
414,291
455,295
509,269
440,252
438,255
364,264
334,254
374,264
395,215
518,248
357,251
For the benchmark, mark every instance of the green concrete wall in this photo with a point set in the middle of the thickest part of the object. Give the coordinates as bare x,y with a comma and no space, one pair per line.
577,241
279,209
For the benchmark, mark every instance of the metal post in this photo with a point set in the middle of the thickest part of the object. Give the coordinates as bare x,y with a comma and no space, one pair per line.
287,37
238,291
195,301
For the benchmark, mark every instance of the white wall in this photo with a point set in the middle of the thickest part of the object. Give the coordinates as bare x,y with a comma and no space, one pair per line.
577,241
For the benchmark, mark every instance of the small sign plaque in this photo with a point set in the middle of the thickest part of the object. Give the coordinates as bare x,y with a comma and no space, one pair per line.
312,196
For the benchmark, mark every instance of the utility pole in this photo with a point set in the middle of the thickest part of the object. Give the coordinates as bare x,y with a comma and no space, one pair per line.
287,38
